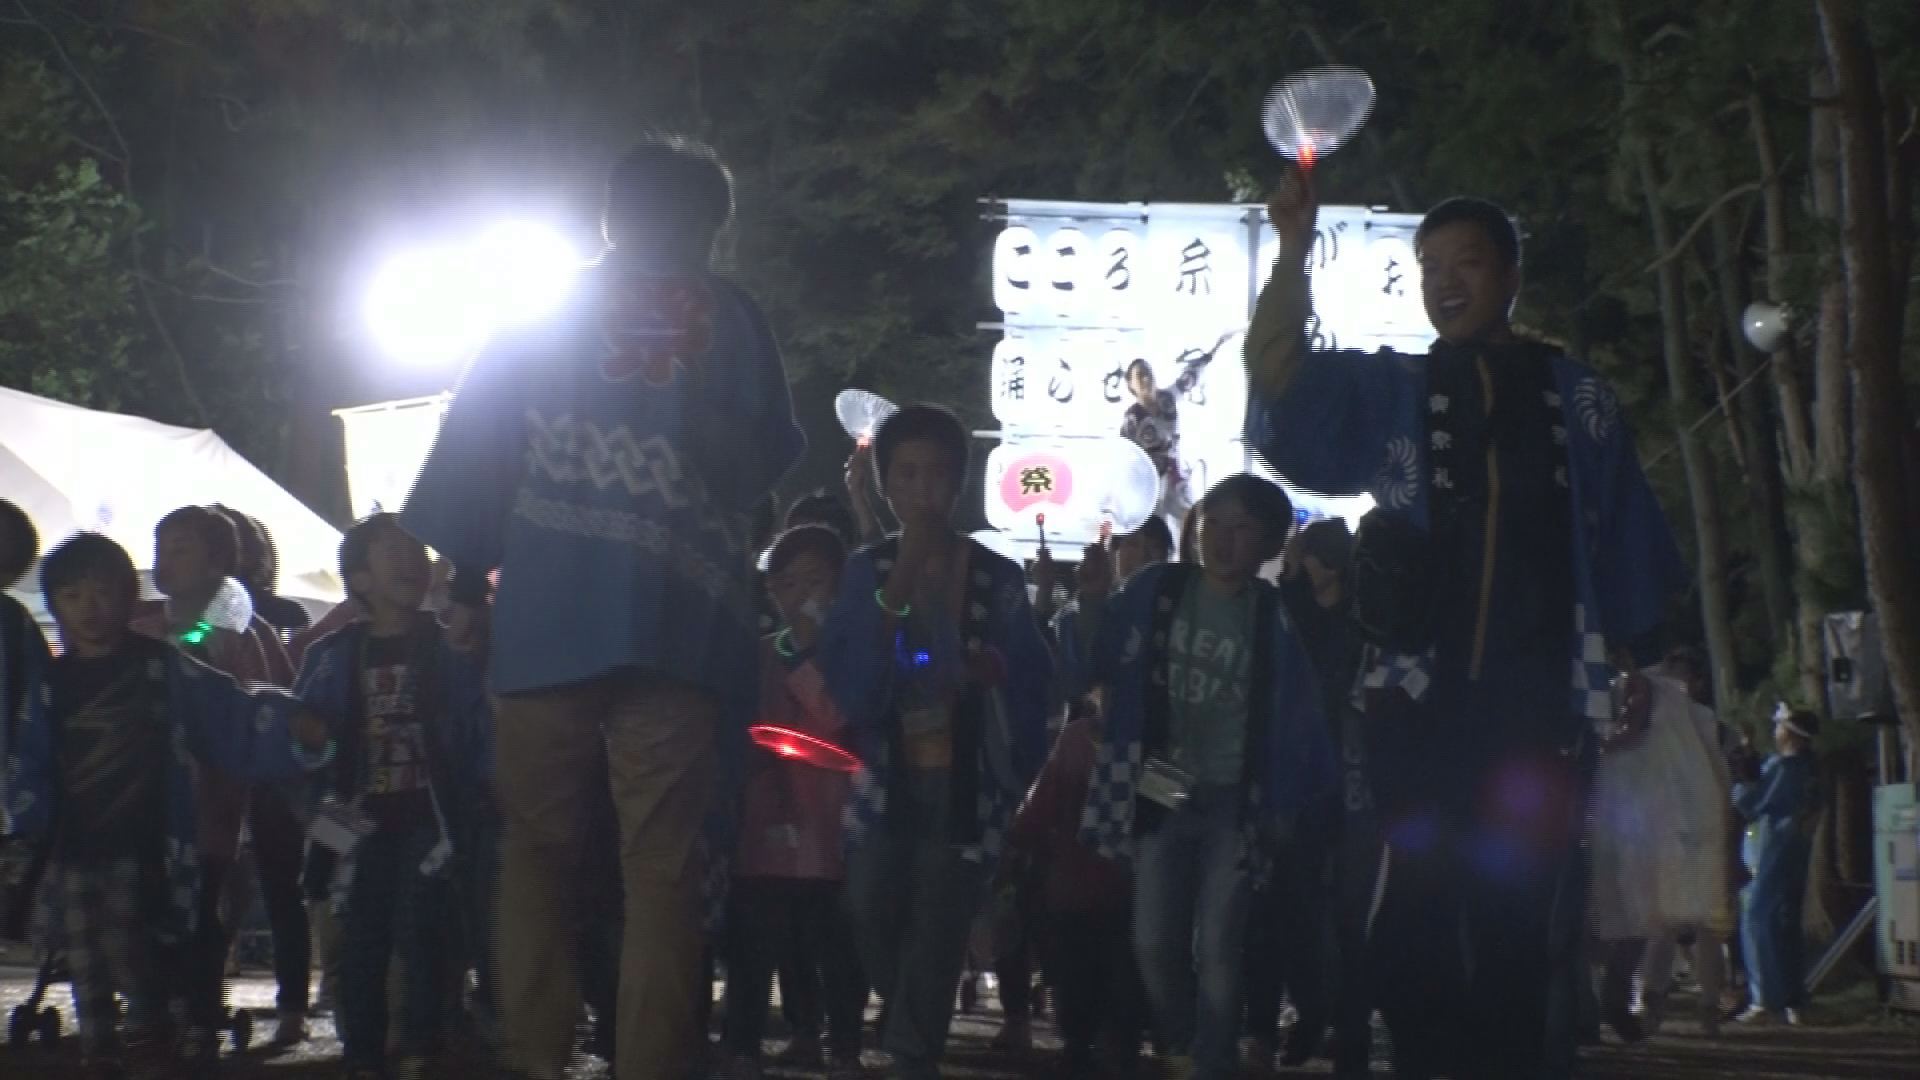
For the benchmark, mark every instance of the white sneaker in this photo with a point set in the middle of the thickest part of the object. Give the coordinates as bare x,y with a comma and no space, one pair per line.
1752,1013
1793,1017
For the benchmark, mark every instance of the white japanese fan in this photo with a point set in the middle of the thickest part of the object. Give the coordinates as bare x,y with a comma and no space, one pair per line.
861,413
1314,113
1133,492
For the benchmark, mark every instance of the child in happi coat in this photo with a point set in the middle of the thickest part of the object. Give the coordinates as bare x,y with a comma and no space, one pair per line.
23,648
1214,743
788,898
932,652
208,613
275,847
105,775
411,718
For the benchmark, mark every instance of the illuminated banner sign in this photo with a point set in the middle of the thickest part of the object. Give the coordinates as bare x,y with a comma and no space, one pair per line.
386,445
1127,319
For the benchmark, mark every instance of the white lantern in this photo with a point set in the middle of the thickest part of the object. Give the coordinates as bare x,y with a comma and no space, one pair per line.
1016,264
1014,366
1118,275
1198,270
1391,282
1069,261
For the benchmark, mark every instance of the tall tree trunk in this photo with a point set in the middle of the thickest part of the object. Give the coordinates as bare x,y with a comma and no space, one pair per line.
1824,519
1749,414
1903,156
1880,413
1797,437
1702,488
1832,383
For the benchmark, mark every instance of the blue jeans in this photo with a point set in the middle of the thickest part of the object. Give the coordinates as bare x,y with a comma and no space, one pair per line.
1190,897
1770,934
913,897
392,908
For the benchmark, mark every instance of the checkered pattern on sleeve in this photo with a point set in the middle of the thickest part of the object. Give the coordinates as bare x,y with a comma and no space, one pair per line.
1106,823
1408,672
1592,674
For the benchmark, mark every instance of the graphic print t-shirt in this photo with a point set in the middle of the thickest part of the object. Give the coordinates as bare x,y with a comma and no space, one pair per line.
395,735
1209,665
114,750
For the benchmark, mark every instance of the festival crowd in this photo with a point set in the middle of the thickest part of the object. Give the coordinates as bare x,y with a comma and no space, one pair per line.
590,734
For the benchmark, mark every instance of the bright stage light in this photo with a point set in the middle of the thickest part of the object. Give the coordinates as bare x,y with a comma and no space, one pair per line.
436,306
423,308
528,271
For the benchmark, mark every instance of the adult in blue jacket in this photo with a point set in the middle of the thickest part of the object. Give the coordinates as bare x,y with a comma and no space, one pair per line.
606,464
1779,807
1540,552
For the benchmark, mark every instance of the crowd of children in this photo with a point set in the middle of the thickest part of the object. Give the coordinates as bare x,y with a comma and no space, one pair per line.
1175,769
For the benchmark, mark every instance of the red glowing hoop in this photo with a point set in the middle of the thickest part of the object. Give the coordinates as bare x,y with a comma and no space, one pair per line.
798,746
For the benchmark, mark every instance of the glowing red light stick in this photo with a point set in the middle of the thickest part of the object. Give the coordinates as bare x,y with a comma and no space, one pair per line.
803,748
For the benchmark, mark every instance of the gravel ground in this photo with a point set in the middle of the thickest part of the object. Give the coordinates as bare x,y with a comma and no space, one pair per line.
1846,1040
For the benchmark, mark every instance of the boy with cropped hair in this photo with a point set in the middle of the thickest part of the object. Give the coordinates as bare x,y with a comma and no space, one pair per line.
106,775
1214,744
411,717
932,653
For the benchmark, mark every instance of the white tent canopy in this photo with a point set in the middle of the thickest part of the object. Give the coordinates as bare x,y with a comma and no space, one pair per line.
74,469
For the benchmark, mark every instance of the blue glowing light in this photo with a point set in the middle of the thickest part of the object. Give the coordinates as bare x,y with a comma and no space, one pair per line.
922,658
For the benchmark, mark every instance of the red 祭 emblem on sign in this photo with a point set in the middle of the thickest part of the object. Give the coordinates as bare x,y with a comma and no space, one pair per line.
1036,478
656,329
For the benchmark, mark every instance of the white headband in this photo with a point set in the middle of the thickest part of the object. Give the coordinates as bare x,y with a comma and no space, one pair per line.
1784,716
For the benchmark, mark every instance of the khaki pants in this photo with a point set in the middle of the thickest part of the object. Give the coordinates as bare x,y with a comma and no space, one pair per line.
659,740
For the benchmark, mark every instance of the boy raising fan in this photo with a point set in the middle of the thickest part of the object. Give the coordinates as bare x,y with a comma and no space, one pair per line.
106,775
932,652
411,718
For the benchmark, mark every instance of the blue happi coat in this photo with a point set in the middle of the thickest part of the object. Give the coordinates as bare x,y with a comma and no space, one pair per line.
1294,766
1354,423
23,684
1074,631
460,732
212,720
606,464
863,674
